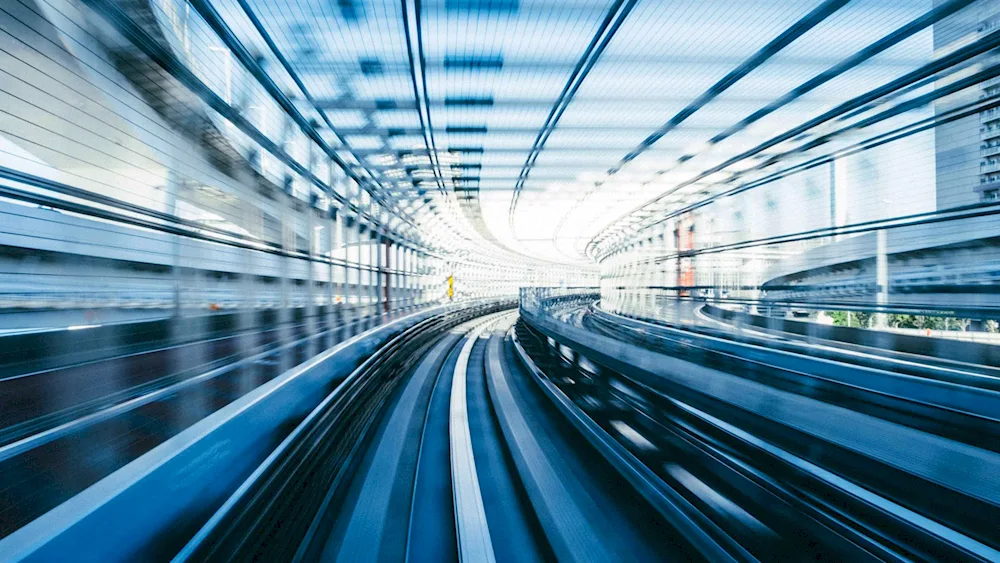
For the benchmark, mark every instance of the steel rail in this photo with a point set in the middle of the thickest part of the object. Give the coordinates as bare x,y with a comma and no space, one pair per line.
475,543
291,486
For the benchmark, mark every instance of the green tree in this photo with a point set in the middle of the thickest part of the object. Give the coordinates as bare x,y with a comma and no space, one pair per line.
903,321
933,323
916,321
839,317
857,320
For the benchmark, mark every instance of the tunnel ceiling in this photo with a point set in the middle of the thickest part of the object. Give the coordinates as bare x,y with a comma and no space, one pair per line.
537,124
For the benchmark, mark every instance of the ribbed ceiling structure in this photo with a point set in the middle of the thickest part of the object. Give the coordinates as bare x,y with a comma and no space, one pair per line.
543,127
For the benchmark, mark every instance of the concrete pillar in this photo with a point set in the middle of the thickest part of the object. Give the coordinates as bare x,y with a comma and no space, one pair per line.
331,274
248,318
409,277
310,317
354,252
881,278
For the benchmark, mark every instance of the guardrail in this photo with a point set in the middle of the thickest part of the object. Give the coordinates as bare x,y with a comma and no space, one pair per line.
34,351
892,458
543,299
956,350
160,499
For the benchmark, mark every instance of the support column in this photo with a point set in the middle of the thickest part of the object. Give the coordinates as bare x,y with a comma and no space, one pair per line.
363,296
418,278
354,248
373,257
310,317
188,319
401,275
285,314
249,317
380,273
387,277
173,189
331,287
365,258
338,233
407,278
881,278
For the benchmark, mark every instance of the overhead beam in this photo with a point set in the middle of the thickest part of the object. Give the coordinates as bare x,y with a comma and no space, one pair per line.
786,38
369,66
982,45
519,103
492,130
413,31
478,151
613,20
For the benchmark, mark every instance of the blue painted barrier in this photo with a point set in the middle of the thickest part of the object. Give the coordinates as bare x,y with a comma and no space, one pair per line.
145,510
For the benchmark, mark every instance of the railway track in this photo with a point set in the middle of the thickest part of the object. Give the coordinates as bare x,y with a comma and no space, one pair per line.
758,467
463,459
473,436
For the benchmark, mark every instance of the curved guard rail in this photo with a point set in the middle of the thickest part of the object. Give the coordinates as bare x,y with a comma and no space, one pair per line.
956,350
674,508
160,499
956,392
919,457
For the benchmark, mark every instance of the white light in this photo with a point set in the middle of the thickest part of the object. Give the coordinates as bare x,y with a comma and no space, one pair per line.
446,158
416,160
382,159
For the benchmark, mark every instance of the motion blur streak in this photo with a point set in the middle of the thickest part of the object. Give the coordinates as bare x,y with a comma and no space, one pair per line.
495,280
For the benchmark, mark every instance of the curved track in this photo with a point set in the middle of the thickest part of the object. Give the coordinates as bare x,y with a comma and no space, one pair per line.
772,461
473,464
464,460
574,435
100,415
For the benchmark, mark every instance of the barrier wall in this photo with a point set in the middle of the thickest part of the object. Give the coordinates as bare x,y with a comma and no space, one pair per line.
957,350
149,507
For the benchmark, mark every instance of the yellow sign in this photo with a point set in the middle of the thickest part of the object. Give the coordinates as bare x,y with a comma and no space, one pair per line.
451,287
